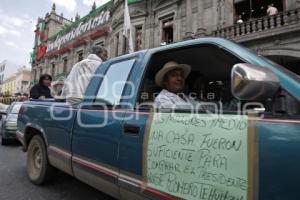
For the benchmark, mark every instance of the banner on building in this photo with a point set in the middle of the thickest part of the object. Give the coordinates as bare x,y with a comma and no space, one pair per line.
79,30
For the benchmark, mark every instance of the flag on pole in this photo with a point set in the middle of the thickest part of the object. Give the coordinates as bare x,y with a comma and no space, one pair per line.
39,33
127,29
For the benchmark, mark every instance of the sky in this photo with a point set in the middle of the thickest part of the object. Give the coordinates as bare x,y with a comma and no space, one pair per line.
18,19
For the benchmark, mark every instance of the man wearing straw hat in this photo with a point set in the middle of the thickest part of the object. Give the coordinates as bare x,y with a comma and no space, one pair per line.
172,79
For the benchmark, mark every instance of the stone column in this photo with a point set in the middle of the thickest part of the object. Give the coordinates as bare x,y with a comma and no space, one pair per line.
229,13
201,31
149,31
291,4
189,19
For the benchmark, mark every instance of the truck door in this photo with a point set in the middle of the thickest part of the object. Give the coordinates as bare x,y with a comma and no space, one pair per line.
132,139
279,146
277,133
98,127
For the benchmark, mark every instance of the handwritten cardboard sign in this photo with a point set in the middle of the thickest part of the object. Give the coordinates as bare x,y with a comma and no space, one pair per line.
198,156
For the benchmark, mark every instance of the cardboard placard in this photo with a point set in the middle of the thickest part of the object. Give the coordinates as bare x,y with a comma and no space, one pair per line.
201,156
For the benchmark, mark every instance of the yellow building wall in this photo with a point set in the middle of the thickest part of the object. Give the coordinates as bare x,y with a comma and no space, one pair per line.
9,87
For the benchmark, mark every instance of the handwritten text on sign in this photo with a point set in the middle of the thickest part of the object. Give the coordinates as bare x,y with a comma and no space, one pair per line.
198,156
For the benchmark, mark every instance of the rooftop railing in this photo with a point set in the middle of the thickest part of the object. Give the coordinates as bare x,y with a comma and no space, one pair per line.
279,20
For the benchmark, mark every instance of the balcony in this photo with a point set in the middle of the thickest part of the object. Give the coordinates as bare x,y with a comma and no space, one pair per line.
281,23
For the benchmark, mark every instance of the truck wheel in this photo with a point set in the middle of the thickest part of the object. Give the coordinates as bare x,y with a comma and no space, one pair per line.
39,170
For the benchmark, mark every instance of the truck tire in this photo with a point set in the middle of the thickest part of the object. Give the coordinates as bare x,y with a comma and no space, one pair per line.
39,170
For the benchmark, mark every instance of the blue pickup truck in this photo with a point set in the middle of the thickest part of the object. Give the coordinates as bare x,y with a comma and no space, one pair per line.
115,141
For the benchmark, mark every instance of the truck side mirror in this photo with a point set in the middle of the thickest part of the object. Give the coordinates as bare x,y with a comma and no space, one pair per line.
252,82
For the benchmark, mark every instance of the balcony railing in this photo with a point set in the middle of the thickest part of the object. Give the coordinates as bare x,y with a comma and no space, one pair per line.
279,20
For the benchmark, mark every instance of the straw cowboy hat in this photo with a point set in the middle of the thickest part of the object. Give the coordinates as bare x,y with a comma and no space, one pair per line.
169,66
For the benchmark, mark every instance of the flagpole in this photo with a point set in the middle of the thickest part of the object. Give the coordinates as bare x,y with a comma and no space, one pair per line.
127,29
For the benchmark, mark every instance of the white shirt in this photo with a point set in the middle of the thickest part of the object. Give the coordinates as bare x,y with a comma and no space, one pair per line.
240,21
167,99
272,11
80,76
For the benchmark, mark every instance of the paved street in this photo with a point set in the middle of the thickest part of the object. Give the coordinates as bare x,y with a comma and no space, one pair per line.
14,183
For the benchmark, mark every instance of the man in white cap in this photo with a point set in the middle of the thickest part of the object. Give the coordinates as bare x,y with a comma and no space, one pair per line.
172,79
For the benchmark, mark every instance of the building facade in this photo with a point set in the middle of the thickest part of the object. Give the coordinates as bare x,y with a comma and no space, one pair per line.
60,43
23,77
7,68
17,84
9,86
